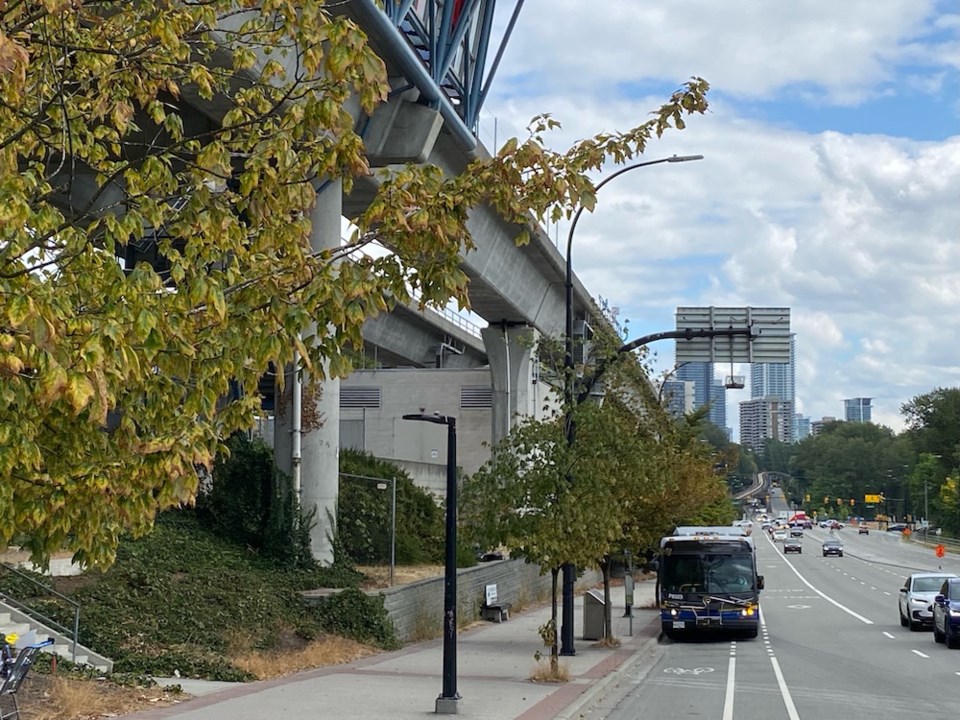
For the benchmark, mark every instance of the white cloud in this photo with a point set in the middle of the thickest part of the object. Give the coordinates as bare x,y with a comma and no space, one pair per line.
858,233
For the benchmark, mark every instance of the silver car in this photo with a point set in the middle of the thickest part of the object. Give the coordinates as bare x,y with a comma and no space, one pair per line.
916,597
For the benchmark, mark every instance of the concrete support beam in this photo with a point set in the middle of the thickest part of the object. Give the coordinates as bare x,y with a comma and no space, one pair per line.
510,350
319,426
401,132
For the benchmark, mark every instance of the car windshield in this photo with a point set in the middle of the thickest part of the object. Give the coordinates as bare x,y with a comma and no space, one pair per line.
927,584
831,543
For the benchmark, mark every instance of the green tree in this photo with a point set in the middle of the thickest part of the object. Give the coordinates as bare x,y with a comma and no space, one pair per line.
100,154
549,501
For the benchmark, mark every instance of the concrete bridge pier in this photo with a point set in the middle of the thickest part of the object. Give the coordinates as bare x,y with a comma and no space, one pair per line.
510,352
309,450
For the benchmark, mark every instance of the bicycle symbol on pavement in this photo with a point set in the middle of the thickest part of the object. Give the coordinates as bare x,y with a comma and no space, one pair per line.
688,671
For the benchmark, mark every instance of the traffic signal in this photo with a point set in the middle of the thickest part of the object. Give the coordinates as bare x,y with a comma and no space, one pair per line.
852,502
806,498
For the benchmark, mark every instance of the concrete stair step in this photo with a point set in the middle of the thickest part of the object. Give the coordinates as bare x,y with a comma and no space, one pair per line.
32,631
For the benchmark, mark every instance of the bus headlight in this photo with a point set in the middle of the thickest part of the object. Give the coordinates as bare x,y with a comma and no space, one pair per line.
748,611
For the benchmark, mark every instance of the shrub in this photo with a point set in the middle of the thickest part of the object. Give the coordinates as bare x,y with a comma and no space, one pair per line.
248,501
363,513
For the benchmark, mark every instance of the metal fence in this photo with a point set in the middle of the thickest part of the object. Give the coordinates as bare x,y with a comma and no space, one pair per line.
369,533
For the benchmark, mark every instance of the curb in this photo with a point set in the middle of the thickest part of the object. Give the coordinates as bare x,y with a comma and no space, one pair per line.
597,690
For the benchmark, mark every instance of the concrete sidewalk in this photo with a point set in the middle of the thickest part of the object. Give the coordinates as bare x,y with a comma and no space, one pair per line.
495,662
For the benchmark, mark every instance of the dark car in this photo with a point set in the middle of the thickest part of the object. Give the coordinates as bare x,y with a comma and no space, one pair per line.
832,547
793,544
796,531
896,527
946,613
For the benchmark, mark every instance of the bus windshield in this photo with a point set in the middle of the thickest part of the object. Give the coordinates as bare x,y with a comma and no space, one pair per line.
707,573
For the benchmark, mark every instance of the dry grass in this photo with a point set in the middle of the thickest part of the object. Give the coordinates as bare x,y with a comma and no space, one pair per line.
608,642
378,576
330,650
545,672
46,697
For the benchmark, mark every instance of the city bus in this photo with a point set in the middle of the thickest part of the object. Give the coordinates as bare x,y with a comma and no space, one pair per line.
707,581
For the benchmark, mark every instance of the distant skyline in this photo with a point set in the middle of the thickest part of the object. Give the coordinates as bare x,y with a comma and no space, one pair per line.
829,182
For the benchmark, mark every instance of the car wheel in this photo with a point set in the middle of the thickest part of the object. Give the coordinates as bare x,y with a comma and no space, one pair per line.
841,555
950,638
903,620
914,626
824,554
937,635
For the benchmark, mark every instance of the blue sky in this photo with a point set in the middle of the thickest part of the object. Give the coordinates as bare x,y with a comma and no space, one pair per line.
830,180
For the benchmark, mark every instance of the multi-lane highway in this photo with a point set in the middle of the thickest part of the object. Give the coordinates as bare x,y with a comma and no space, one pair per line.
830,646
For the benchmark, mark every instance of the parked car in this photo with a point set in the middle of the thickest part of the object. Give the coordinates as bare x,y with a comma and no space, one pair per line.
863,530
946,613
793,544
832,546
917,593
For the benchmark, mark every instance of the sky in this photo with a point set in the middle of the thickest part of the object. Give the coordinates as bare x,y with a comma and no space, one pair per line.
830,182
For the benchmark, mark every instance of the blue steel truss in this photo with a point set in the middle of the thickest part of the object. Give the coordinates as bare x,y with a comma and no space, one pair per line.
451,38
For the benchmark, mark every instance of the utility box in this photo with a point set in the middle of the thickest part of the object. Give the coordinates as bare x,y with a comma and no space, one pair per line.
593,615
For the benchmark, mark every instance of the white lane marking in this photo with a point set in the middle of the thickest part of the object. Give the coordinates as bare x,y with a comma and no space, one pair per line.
787,699
923,655
731,681
885,592
826,597
888,635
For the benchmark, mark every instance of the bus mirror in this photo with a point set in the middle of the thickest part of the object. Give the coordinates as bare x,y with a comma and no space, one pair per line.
759,582
654,565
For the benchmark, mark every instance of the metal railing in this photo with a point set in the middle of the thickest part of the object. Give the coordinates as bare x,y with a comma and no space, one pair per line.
39,616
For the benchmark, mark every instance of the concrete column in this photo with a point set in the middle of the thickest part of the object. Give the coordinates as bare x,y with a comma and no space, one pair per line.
320,416
510,350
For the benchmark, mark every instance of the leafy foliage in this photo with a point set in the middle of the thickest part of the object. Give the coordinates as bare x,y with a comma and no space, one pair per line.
173,601
363,513
191,139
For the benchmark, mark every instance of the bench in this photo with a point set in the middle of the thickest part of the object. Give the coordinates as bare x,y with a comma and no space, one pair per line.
493,607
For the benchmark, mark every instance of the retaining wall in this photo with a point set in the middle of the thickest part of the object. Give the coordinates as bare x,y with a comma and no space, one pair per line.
417,609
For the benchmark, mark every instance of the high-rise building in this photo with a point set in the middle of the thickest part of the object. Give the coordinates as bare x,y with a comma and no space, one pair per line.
678,396
816,426
706,390
776,381
763,419
801,427
718,404
701,375
857,409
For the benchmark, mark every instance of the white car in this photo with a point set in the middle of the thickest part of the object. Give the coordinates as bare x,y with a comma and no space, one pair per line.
779,535
917,595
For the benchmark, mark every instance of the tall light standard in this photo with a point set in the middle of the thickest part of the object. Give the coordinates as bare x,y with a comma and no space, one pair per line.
449,701
566,631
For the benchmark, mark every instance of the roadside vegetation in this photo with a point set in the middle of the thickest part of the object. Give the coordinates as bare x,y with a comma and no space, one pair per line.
907,475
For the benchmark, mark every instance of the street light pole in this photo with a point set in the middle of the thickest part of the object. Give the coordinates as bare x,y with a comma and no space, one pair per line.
566,631
449,701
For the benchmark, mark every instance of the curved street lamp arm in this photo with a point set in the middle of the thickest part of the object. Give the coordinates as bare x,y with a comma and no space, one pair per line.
687,334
